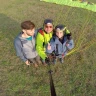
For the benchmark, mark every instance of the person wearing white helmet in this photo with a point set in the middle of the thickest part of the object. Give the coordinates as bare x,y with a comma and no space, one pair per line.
61,43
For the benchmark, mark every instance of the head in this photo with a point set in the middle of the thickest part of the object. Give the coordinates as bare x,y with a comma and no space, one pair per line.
48,25
60,29
28,28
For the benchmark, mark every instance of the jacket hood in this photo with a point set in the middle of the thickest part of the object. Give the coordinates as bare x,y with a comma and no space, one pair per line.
20,37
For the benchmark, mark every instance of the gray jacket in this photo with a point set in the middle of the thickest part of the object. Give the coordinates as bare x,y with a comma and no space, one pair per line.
25,49
59,48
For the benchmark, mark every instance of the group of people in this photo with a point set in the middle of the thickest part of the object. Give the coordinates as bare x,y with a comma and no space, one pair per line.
34,46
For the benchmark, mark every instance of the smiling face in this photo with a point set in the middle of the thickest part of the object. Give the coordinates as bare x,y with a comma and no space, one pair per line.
59,33
28,28
29,32
48,27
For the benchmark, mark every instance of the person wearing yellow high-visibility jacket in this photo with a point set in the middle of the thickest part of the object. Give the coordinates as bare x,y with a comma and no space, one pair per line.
43,37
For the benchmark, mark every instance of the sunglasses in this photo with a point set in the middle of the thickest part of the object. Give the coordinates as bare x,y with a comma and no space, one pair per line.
48,26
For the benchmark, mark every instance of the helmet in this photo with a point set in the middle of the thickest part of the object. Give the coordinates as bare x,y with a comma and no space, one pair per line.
60,27
48,21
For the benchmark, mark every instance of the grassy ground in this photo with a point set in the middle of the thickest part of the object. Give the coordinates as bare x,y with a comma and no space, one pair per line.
76,77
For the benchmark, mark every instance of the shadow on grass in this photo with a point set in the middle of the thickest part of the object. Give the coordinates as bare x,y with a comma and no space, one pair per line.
8,26
8,31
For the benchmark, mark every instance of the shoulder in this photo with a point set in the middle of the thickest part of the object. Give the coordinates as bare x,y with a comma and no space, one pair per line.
68,34
17,39
41,31
53,39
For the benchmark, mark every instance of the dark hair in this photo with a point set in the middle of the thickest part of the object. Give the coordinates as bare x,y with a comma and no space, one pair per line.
27,25
48,21
60,26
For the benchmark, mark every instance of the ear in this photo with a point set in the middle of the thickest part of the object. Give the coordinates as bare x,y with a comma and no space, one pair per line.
24,30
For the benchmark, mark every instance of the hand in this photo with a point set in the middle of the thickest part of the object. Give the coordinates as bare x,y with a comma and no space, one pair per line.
67,44
49,46
27,62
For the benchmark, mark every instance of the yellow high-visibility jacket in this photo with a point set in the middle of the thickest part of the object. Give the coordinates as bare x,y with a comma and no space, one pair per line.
41,40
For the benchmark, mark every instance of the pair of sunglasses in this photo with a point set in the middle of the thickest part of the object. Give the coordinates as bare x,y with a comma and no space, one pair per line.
48,26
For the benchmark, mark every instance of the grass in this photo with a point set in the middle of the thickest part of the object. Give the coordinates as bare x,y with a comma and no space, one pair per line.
76,77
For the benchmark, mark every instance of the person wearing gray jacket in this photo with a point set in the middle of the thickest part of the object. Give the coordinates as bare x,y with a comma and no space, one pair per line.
61,43
25,44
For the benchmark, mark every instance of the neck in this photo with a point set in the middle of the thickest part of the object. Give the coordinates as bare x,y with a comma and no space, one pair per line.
45,32
24,35
61,38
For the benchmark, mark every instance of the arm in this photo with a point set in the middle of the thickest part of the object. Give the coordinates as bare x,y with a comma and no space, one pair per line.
18,47
50,46
39,46
70,44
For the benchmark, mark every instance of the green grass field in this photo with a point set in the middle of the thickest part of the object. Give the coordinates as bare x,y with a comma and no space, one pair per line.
76,77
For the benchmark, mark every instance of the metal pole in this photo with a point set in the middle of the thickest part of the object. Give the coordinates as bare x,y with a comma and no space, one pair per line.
52,87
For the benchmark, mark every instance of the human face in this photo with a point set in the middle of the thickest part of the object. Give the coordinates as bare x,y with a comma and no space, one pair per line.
48,27
59,34
29,32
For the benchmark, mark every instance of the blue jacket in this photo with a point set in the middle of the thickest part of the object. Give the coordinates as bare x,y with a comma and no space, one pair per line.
60,48
25,49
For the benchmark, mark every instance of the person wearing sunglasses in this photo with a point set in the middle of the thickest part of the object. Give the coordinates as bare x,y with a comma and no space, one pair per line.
61,43
43,37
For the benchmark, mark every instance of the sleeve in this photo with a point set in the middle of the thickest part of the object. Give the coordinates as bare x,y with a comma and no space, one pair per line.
39,46
70,44
18,48
52,44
